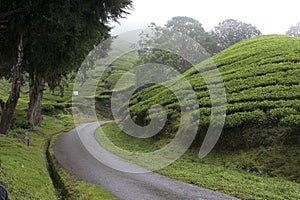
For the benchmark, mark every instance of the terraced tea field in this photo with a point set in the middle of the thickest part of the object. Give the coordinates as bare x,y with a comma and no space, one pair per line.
261,78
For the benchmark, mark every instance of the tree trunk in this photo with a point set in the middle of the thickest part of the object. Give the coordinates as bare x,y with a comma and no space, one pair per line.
8,108
36,92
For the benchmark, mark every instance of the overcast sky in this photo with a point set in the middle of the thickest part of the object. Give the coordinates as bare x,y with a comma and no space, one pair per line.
270,17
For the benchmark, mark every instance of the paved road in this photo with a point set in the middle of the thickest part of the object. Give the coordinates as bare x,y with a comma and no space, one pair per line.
72,155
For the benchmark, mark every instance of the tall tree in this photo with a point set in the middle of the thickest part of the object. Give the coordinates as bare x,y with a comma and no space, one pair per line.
176,29
11,55
71,39
193,28
8,108
57,35
294,30
232,31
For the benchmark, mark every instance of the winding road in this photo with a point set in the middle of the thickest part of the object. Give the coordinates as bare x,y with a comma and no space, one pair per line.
72,155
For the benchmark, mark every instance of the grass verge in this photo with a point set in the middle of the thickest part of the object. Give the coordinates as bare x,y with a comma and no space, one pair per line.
219,171
23,169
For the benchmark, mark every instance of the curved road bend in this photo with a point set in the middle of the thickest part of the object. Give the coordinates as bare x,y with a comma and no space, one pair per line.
73,156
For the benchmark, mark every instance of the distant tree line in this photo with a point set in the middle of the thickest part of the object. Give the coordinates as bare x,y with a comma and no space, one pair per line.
225,34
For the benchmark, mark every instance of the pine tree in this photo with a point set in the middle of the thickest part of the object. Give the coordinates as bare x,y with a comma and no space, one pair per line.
56,37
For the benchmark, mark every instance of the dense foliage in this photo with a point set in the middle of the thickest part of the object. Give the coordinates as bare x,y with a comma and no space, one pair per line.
231,31
48,41
167,44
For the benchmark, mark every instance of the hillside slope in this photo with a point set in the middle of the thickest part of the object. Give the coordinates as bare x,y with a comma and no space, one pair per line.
261,132
261,78
108,80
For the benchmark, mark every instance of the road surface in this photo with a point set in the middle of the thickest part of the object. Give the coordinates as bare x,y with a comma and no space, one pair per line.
72,155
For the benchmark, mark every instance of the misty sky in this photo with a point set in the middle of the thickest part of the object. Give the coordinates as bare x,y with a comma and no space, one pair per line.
270,17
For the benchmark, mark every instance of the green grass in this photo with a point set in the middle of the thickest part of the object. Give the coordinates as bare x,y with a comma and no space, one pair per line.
81,190
226,172
92,191
23,169
229,180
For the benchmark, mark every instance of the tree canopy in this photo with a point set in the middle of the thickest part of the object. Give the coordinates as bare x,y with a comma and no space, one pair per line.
294,30
232,31
56,37
174,35
193,28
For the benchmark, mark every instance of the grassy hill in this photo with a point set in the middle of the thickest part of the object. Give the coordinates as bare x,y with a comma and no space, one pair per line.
260,143
109,78
261,78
